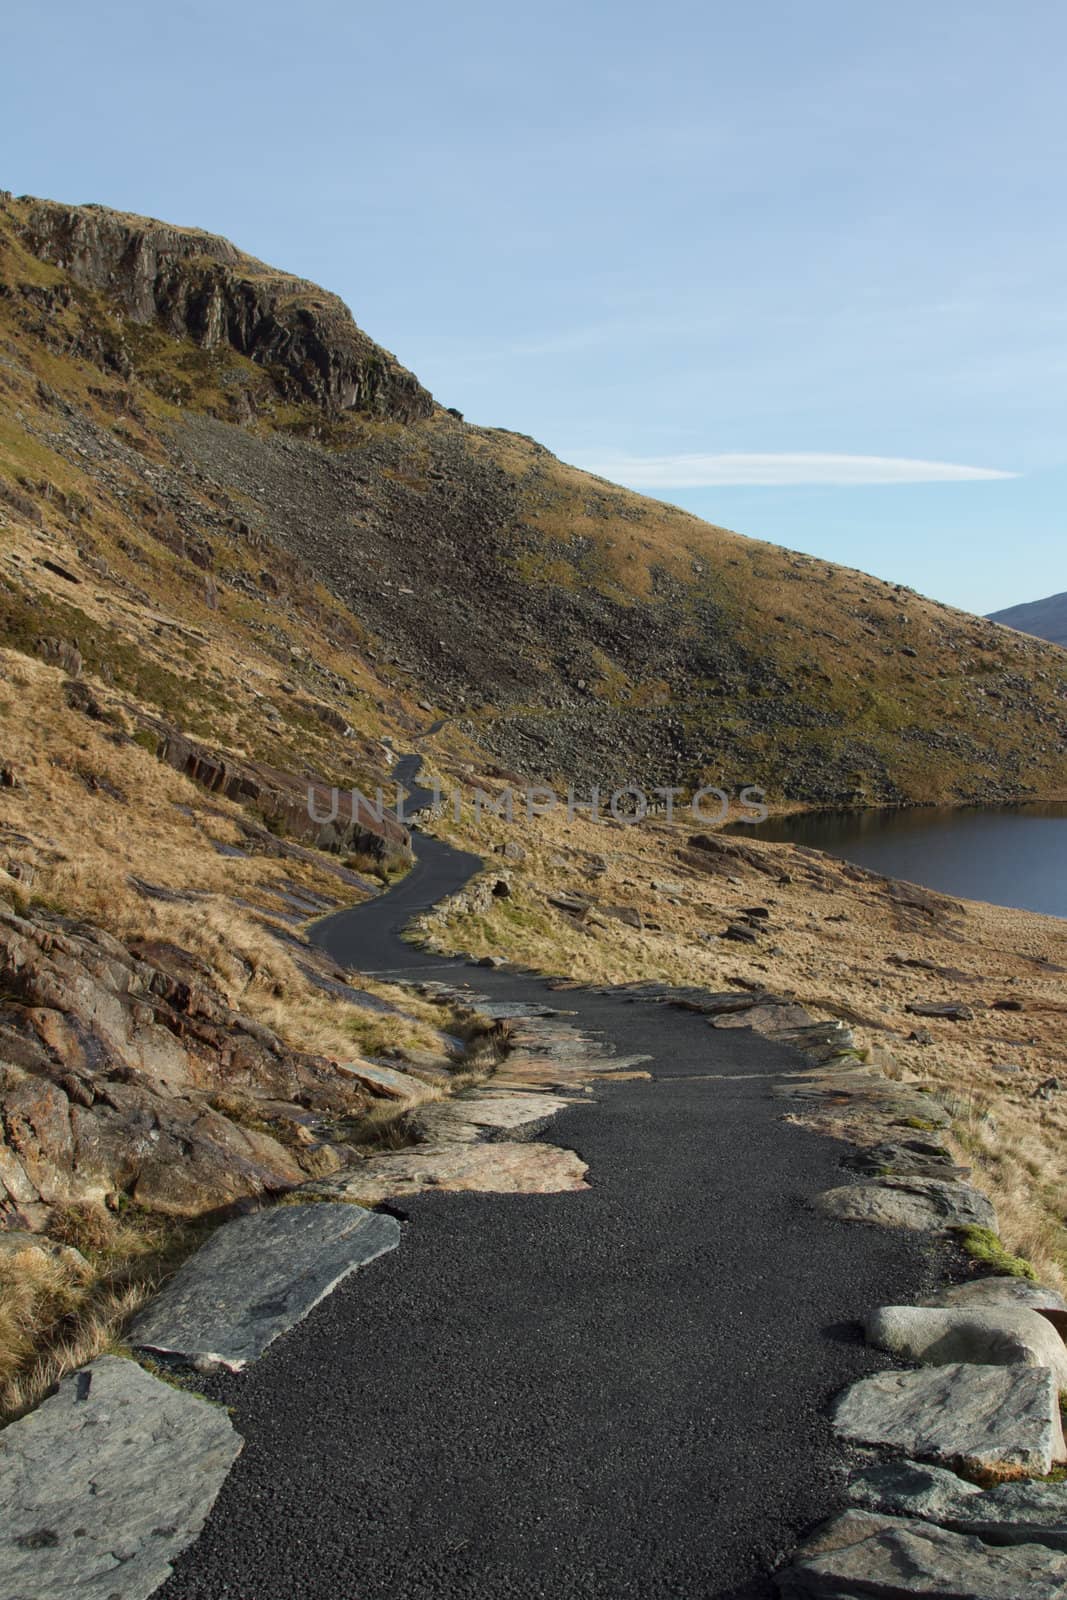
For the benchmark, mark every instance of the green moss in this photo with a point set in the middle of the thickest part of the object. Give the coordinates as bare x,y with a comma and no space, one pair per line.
983,1246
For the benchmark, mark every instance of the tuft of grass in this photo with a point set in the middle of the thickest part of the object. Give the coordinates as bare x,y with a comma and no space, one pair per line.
57,1314
983,1246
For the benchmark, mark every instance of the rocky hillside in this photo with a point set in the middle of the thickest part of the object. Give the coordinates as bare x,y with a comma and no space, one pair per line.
1043,619
244,554
212,465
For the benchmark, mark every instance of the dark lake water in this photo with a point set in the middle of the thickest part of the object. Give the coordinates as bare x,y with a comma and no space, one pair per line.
1010,855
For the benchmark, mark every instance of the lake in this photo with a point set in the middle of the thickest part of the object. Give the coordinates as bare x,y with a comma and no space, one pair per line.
1010,855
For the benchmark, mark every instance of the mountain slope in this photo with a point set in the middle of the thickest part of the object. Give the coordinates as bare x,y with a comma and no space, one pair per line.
198,428
1044,619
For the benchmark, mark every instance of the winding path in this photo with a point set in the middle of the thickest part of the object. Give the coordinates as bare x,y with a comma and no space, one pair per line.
617,1394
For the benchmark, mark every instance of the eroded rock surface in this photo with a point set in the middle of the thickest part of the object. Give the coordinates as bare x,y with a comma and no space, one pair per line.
385,1083
124,1072
999,1292
488,1114
106,1483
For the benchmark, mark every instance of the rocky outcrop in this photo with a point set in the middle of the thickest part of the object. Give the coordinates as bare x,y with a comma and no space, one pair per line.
199,286
305,807
124,1073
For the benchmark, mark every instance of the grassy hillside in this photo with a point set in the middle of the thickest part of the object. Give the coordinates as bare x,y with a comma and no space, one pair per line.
174,420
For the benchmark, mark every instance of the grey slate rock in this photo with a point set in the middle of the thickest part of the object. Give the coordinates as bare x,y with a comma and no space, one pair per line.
258,1277
1009,1513
977,1418
106,1483
861,1554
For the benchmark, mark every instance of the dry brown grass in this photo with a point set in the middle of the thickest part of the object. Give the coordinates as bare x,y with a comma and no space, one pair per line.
56,1316
85,845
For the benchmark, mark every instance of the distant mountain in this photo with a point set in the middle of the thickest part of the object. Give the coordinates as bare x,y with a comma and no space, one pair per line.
1045,619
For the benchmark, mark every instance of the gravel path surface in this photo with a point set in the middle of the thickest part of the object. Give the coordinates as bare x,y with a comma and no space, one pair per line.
618,1394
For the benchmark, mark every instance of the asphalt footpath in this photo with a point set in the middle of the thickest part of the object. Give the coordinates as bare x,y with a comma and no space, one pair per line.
615,1394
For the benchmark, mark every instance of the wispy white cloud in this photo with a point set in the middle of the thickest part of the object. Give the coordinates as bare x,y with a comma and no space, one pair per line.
705,471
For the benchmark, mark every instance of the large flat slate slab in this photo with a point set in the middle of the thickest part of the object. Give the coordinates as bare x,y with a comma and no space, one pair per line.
104,1485
982,1419
486,1114
499,1167
862,1554
258,1277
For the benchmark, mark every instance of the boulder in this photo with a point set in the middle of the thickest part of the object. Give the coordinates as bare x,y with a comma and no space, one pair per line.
983,1419
498,1167
894,1558
924,1204
255,1279
106,1483
990,1336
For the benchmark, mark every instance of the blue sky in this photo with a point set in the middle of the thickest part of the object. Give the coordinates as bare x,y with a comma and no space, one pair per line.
653,238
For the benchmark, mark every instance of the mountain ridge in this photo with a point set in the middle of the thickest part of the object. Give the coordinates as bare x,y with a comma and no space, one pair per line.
568,628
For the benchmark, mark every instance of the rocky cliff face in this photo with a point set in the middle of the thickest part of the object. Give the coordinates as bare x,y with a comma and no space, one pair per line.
200,286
